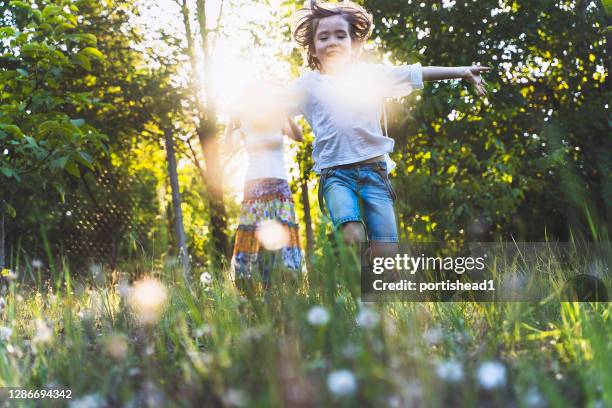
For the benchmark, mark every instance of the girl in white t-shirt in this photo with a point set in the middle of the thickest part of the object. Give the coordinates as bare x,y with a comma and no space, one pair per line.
342,100
267,234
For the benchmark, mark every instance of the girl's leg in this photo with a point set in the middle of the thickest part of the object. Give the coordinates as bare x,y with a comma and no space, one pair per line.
379,213
342,202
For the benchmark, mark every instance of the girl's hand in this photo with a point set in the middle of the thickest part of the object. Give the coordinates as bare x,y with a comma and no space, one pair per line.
472,75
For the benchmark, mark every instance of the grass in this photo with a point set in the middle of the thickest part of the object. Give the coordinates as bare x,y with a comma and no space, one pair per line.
215,345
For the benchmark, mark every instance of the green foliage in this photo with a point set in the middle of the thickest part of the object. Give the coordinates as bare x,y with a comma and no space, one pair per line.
41,131
534,157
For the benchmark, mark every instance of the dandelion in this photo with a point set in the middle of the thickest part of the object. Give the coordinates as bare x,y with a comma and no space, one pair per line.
95,269
350,350
342,382
123,287
272,235
367,318
203,330
491,374
534,399
318,316
37,263
44,334
234,398
205,279
152,396
451,371
88,401
115,345
433,336
5,333
148,299
9,274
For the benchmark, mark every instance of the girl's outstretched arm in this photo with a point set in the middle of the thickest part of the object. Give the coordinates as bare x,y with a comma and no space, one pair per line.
292,130
471,74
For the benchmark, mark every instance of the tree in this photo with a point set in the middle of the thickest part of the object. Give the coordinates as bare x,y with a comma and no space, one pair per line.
43,51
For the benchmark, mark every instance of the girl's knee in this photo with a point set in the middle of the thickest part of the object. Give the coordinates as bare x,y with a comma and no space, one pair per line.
353,233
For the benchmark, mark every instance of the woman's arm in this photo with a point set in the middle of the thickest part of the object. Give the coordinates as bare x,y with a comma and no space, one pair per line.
232,143
293,131
471,74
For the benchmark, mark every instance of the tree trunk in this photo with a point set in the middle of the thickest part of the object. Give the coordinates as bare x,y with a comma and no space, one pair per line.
206,128
176,204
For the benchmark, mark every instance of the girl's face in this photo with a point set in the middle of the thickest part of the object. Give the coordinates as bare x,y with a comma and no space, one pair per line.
332,43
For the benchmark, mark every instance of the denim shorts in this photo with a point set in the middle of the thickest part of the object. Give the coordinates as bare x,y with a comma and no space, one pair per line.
362,193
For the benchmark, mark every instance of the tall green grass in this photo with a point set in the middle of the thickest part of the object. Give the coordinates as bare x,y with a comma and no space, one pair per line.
215,345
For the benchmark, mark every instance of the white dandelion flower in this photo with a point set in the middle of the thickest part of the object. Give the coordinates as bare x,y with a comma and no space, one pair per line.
234,398
367,318
205,278
342,382
44,334
37,263
534,399
116,346
148,300
318,316
433,336
203,330
88,401
450,370
491,374
5,333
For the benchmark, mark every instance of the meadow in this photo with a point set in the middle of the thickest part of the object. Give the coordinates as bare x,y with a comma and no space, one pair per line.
305,341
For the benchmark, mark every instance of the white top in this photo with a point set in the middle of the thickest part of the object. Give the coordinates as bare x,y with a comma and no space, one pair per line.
265,153
344,110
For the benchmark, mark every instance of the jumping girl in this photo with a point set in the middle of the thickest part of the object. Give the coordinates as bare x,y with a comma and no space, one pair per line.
342,100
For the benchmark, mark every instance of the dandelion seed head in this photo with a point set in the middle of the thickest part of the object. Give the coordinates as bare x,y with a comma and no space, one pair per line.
5,333
44,334
350,350
451,371
234,398
534,399
203,330
88,401
148,300
491,374
272,235
367,318
205,278
342,383
318,316
433,336
116,346
37,263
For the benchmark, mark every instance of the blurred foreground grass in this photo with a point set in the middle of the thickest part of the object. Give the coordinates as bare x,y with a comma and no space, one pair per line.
117,339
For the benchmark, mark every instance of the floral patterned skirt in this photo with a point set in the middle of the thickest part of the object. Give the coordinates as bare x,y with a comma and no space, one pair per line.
268,234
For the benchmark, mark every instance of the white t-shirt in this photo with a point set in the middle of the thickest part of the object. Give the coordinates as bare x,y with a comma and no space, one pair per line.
265,153
344,110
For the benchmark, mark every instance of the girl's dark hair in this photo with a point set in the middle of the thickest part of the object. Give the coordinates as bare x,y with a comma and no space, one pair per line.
307,21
